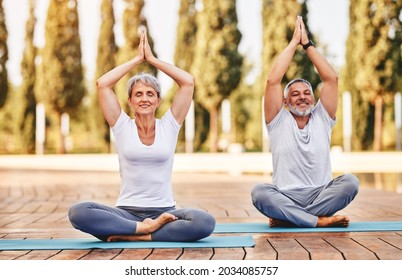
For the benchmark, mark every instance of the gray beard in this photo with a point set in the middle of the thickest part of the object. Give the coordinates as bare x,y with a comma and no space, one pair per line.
299,113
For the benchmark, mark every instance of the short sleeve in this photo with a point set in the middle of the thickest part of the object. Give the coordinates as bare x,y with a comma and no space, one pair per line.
322,112
169,120
123,118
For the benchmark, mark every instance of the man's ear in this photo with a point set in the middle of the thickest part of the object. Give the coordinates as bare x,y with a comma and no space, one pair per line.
285,102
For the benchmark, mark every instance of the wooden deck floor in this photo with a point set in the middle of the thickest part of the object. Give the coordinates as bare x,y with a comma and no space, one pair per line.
35,205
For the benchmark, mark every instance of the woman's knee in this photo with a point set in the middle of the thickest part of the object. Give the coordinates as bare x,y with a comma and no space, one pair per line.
78,212
205,222
202,223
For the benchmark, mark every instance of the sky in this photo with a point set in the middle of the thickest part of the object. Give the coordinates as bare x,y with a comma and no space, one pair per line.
328,21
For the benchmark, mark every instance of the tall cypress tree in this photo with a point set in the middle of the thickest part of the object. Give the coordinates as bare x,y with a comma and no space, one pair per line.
105,61
3,57
28,100
361,136
183,58
376,51
133,19
63,87
217,62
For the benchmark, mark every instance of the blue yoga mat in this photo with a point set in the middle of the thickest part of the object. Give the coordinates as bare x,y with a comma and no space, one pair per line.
82,244
264,228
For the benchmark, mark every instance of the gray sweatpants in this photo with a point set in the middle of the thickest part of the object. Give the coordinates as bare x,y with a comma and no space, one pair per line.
303,205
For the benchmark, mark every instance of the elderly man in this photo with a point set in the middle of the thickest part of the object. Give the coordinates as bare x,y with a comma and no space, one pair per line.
303,192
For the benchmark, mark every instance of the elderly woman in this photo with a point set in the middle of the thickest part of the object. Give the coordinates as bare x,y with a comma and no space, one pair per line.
145,209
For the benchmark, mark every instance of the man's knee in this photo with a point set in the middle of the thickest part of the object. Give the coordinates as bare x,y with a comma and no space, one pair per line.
351,184
258,191
262,193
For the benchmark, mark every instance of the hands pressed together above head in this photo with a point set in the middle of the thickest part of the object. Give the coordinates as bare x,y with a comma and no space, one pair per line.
300,36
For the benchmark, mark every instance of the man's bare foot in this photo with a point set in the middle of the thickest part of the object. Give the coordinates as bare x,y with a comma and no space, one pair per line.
280,223
145,228
333,221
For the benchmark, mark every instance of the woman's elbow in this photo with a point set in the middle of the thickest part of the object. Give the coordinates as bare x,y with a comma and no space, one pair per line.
100,83
190,81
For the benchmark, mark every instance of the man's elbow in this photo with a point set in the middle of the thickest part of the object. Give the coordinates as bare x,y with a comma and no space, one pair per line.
332,79
272,82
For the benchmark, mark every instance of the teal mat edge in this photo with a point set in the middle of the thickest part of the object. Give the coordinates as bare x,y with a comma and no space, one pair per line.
91,243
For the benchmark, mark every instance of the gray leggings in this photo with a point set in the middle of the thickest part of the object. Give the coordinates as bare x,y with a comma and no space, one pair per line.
303,206
103,221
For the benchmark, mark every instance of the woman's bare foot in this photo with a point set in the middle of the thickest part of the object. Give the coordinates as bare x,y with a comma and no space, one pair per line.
145,237
333,221
280,223
145,228
149,225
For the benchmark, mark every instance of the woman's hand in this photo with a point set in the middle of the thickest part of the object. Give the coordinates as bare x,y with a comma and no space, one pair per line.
140,57
148,54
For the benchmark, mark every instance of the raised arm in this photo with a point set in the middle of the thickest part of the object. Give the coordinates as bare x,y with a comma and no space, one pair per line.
273,99
184,96
107,98
329,90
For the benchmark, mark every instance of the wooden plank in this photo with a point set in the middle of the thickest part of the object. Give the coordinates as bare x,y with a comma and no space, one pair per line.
69,255
288,249
394,240
350,249
319,249
12,255
383,250
38,255
165,254
197,254
102,254
262,249
133,254
229,254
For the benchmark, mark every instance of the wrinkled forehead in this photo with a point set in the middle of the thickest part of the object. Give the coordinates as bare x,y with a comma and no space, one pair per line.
299,86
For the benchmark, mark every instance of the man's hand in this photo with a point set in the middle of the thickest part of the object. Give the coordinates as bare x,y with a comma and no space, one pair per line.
296,38
304,37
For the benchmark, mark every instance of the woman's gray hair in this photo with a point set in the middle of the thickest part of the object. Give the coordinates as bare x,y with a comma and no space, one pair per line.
297,80
147,79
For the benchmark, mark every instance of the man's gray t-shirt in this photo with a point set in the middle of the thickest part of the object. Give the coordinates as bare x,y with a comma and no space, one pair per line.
301,157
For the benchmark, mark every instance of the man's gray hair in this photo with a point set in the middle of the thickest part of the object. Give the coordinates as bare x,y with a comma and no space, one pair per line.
297,80
147,79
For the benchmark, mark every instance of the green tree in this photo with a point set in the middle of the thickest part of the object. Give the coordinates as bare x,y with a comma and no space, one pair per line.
183,58
133,21
361,111
217,61
375,50
3,57
105,61
63,86
28,100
